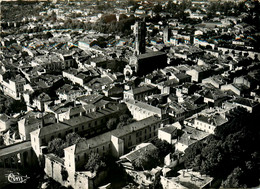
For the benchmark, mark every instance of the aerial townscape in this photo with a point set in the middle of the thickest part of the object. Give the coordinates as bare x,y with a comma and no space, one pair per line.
111,94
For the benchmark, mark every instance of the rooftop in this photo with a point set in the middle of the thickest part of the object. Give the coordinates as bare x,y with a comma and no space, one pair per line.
215,120
106,137
51,129
19,147
141,89
246,102
150,54
94,115
143,105
191,179
170,129
131,156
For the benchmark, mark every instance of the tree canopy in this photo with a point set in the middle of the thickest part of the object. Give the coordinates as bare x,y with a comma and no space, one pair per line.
231,155
57,145
147,160
95,162
164,147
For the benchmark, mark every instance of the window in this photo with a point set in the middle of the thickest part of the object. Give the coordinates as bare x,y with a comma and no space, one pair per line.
103,148
82,127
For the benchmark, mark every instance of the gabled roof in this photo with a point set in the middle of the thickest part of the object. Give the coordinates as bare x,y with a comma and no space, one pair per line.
143,105
95,115
76,110
78,147
214,94
215,120
246,102
142,89
170,129
51,129
131,156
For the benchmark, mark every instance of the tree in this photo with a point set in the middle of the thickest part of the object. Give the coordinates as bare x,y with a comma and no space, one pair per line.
147,160
111,124
123,117
95,163
191,152
164,147
232,180
15,106
72,138
157,8
122,17
231,154
56,146
49,35
108,18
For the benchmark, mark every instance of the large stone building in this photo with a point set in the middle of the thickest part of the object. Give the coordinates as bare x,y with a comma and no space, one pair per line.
114,142
90,124
146,63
